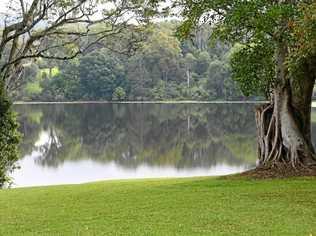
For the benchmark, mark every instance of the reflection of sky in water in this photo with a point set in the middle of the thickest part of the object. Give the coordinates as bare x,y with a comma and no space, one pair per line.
146,141
88,171
74,172
84,143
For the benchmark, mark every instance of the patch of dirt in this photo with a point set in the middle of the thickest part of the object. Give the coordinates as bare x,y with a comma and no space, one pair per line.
277,172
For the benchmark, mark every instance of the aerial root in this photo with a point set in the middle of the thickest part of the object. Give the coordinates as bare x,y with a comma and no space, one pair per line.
272,152
269,140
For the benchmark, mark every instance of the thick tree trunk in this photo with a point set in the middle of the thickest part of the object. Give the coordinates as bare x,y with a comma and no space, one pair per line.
284,125
283,139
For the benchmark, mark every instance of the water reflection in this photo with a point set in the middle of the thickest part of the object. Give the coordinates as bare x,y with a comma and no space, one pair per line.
87,142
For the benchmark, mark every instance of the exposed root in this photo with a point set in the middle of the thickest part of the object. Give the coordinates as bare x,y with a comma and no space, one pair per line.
279,171
269,148
281,145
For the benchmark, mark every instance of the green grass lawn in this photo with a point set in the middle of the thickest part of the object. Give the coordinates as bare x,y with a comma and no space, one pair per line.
190,206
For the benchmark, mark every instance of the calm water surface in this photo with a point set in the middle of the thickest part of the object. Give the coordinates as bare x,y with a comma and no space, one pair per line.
76,143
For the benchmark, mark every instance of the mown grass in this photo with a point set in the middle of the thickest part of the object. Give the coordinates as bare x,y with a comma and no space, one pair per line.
190,206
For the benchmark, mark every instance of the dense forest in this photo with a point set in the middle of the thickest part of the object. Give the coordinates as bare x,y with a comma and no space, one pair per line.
160,67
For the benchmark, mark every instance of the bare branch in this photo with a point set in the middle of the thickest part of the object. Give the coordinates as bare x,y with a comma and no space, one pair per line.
45,26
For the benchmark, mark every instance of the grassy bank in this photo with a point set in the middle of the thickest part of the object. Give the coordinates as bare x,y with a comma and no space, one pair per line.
193,206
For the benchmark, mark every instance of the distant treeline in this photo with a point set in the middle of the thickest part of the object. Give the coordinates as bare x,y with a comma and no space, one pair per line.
162,68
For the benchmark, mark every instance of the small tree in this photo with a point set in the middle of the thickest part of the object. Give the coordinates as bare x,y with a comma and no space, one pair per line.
9,139
119,94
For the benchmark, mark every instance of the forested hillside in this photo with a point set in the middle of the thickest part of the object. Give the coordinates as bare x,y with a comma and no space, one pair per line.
157,66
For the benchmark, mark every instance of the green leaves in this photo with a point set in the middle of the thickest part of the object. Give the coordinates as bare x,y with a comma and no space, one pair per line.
9,140
259,25
303,37
253,68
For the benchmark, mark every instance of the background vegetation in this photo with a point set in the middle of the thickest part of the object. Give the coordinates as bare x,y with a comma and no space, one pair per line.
162,68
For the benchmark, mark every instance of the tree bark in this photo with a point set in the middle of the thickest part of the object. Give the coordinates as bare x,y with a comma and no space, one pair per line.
284,125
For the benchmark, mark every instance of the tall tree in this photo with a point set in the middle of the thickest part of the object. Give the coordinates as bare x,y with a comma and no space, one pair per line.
57,29
277,57
52,29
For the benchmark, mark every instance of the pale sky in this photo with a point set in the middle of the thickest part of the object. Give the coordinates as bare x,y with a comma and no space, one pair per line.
2,5
4,9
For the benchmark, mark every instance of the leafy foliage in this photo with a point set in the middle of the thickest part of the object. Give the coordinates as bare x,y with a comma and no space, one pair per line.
303,40
119,94
162,68
252,67
9,140
259,26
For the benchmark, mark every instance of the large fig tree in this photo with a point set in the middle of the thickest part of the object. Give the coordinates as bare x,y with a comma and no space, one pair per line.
276,56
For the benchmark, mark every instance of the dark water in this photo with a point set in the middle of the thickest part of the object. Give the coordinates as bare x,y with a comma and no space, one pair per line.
88,142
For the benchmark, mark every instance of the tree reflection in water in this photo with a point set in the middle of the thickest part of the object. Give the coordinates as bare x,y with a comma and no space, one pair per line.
177,135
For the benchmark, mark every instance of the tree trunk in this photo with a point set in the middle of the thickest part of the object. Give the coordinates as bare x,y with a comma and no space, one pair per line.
284,125
282,138
188,78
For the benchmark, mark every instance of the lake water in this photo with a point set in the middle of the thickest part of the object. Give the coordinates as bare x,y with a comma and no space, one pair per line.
77,143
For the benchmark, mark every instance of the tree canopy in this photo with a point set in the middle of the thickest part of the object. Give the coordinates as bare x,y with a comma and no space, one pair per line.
162,67
259,27
52,29
276,56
